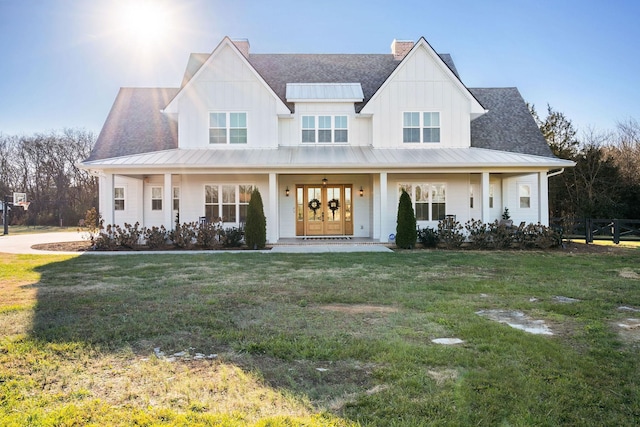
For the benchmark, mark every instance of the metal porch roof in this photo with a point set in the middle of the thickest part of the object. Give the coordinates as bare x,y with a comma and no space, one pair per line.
333,157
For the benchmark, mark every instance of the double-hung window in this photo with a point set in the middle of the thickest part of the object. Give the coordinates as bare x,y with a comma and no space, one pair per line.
156,198
227,128
325,129
176,198
429,200
118,198
524,194
227,202
421,126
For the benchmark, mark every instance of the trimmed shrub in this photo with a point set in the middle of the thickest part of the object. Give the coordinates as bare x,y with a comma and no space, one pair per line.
478,233
450,233
255,233
501,235
231,237
428,237
406,233
130,236
155,237
208,235
183,235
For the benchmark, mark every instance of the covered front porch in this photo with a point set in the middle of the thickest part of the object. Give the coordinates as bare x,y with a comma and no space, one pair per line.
306,207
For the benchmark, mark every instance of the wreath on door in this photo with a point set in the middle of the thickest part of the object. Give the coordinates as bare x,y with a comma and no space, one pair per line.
314,205
334,205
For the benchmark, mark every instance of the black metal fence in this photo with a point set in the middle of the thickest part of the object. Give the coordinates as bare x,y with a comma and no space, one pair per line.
590,229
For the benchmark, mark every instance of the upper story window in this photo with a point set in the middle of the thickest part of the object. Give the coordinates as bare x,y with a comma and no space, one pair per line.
421,127
325,129
227,128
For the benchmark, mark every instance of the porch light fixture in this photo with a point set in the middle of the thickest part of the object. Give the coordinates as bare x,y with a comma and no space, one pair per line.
361,191
324,181
286,191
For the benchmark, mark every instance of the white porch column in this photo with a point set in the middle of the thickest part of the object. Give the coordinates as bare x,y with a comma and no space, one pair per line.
543,198
484,183
384,233
108,213
167,205
272,215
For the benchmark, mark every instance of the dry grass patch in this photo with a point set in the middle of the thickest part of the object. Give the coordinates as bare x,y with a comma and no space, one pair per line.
442,376
359,308
629,273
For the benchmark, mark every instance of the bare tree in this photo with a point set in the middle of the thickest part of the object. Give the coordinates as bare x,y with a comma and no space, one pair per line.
45,167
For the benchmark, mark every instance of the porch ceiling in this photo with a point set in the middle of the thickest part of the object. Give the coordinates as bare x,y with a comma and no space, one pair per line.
333,157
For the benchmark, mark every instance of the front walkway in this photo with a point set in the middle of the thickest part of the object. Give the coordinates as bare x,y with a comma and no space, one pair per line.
22,244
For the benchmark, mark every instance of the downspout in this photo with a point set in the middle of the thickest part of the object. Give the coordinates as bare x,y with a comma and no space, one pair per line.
549,175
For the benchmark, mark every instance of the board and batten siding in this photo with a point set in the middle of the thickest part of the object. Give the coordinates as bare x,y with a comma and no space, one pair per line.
420,84
133,190
227,84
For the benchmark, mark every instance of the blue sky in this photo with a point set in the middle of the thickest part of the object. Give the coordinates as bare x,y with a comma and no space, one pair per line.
63,61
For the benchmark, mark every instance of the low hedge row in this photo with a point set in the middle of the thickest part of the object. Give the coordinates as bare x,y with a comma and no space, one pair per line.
475,234
185,236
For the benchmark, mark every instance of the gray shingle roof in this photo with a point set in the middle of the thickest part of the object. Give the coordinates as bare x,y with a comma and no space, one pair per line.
370,70
508,126
136,124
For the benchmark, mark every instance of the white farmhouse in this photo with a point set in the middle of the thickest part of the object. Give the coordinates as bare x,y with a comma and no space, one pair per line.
329,140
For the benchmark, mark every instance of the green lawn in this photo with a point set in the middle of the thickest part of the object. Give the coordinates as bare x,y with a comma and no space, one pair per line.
318,340
34,229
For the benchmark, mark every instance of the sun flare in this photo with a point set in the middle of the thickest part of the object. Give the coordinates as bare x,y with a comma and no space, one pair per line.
143,22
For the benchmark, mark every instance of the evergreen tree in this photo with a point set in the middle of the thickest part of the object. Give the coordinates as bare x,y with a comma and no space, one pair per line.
255,233
406,233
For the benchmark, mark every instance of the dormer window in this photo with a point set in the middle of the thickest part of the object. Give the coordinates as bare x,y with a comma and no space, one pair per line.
227,128
324,129
421,127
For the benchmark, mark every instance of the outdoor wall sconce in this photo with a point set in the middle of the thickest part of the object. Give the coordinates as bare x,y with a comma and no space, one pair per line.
324,181
361,191
286,191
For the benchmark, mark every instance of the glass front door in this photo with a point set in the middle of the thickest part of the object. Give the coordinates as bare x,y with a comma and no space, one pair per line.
323,210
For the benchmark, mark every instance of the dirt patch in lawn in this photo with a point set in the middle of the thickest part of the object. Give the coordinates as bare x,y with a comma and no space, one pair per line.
78,246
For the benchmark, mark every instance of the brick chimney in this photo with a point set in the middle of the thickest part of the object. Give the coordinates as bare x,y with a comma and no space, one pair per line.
242,45
400,48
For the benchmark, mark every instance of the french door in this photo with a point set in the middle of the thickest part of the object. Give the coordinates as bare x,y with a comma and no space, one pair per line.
324,210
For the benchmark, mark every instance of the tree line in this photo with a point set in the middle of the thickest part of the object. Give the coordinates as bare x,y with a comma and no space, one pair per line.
605,183
44,166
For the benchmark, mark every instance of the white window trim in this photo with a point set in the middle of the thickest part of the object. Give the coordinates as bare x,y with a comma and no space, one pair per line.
228,127
421,126
220,202
317,128
156,198
123,198
430,186
491,195
174,198
521,196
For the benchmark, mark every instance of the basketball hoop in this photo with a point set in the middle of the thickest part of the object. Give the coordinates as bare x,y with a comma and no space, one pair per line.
25,205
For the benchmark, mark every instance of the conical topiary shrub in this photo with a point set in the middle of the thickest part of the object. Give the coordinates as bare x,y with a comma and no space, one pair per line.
255,232
406,233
